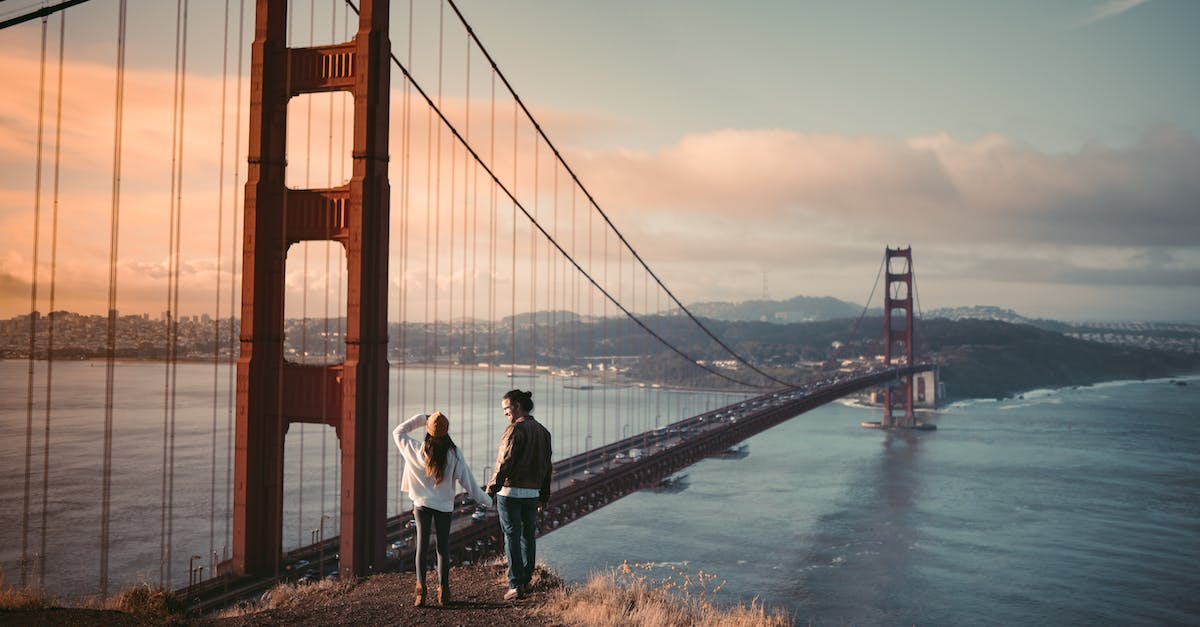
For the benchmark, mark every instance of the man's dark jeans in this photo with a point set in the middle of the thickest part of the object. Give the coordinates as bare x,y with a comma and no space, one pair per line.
517,522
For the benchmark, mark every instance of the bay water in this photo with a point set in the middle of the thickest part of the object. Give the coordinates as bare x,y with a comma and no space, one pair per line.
1061,507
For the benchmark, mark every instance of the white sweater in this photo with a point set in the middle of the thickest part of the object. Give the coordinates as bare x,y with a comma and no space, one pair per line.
420,488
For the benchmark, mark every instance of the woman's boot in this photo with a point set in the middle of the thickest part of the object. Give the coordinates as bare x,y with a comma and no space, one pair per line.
419,597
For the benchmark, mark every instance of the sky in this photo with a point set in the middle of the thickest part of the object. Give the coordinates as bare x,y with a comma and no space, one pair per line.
1037,156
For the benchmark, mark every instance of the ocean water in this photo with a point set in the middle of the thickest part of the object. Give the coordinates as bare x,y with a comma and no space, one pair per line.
1065,507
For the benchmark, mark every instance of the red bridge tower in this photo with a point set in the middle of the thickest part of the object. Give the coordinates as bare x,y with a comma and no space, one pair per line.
898,297
273,393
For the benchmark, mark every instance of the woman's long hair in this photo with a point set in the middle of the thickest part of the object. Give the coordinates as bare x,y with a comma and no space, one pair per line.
436,451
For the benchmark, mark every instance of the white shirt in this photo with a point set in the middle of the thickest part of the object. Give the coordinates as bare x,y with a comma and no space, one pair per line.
420,488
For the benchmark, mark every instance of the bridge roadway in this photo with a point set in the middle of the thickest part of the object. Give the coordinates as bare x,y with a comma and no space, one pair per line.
581,484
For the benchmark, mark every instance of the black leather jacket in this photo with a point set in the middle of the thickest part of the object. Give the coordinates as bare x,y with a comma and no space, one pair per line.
524,458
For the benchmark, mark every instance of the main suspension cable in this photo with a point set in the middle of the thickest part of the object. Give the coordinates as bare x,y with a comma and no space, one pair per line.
596,205
520,207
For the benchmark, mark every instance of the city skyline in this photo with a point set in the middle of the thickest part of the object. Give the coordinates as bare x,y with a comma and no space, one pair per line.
1037,157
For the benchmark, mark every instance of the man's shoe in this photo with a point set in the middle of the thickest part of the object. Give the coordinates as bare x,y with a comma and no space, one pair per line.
524,589
512,594
419,596
443,595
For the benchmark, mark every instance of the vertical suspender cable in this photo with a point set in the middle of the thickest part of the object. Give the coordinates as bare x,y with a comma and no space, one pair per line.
662,370
575,326
437,212
533,258
325,329
304,291
111,331
174,321
452,207
212,489
552,274
233,332
405,204
591,342
337,468
493,268
474,297
175,296
171,312
428,225
513,304
606,343
619,346
62,32
37,221
467,272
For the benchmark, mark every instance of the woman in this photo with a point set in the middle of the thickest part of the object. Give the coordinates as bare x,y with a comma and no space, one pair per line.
431,469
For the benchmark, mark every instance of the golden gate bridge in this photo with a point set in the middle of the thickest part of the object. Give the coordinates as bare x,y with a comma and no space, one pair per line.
400,197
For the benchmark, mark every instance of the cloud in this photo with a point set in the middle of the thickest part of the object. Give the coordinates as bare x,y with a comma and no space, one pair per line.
1117,270
710,213
1111,8
936,189
13,287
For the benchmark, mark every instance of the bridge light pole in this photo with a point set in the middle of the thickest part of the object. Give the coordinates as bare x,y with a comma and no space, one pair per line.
192,578
321,549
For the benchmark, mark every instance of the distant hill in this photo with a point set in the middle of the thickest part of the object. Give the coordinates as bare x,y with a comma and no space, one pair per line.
798,309
978,358
978,312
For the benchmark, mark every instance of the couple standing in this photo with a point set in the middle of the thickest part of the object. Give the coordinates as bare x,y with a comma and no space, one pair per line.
520,485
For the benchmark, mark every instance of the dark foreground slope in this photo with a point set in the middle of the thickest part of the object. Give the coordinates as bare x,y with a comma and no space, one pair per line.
385,599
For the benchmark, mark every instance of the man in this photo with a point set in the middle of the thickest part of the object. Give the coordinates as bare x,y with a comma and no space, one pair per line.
521,486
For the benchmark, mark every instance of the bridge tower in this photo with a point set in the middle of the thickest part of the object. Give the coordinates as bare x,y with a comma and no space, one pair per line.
271,392
897,298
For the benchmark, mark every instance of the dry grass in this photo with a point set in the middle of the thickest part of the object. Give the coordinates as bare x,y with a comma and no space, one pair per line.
289,596
12,598
642,595
148,601
24,599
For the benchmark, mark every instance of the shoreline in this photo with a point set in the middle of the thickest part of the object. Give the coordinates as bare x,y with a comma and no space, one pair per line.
1035,393
527,371
521,371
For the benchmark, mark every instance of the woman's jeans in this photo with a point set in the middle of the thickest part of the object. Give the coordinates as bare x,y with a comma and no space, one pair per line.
440,523
520,533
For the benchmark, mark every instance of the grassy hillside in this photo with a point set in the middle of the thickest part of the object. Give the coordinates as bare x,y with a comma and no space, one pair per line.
988,359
